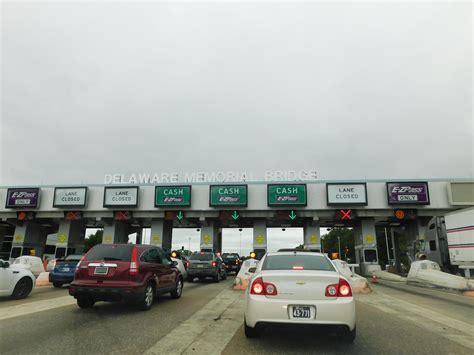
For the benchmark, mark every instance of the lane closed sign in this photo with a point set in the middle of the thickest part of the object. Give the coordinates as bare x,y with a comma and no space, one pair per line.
347,194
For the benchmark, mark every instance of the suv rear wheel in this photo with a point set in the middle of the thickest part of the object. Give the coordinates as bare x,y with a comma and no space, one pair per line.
85,302
146,300
176,293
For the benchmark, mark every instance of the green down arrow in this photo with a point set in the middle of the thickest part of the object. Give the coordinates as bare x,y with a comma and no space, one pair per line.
235,215
292,215
179,216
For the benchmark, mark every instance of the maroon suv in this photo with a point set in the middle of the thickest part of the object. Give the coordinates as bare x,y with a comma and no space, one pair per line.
125,272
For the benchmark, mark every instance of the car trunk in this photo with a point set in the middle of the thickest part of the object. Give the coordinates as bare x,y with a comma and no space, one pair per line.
65,265
300,284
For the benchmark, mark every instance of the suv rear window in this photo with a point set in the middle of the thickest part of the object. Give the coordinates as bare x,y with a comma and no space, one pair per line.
230,256
111,252
202,257
73,257
288,262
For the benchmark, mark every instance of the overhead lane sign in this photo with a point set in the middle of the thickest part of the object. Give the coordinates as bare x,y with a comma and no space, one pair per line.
408,193
168,196
286,195
347,194
22,198
121,196
70,197
228,195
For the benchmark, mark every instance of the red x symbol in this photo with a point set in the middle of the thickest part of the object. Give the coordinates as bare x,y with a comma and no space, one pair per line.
345,214
73,216
122,215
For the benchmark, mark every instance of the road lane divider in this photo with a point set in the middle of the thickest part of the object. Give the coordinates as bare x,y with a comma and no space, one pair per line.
34,307
223,316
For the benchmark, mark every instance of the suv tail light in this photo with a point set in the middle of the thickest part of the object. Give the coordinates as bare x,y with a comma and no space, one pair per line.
262,288
237,262
78,264
214,264
187,264
134,263
342,289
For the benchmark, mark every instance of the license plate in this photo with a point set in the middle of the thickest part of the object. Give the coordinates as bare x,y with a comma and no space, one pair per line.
301,312
101,270
66,269
199,265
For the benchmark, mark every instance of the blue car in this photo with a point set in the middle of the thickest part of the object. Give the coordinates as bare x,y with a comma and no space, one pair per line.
64,270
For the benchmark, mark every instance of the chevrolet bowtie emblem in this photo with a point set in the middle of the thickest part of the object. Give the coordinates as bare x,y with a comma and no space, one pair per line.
300,282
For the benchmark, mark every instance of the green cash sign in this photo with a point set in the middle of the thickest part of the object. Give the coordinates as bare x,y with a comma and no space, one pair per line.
286,195
168,196
228,195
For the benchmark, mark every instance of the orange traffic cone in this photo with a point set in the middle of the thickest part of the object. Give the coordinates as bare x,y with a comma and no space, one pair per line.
374,278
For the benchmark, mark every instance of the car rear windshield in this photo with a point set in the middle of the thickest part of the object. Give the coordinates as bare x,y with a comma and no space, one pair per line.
298,262
202,257
111,252
230,256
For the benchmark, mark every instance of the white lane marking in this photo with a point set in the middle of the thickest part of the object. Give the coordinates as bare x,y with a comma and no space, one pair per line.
34,307
444,326
223,316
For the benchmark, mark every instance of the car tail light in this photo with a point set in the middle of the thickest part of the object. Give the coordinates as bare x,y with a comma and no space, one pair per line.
237,262
263,288
342,289
297,267
214,264
134,263
78,264
187,264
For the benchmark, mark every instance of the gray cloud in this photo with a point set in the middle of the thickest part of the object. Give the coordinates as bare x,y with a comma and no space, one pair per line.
355,90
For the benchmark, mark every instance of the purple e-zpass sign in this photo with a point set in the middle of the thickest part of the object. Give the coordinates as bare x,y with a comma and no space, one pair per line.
22,198
400,193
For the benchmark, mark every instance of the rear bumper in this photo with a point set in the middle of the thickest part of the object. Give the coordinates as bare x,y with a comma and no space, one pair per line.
329,313
60,278
232,267
202,273
107,293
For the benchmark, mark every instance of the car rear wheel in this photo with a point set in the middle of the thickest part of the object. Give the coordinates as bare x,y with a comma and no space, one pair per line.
57,284
146,300
85,302
217,278
176,293
225,275
22,288
250,332
349,336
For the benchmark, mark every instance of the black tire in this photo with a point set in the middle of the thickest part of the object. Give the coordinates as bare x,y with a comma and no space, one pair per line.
146,299
176,293
190,279
85,302
225,275
216,278
250,332
58,284
349,336
23,288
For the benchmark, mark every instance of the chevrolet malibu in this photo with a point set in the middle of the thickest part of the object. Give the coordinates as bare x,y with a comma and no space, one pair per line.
125,272
299,288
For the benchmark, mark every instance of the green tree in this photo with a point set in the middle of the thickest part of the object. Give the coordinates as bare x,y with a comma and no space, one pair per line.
331,242
93,239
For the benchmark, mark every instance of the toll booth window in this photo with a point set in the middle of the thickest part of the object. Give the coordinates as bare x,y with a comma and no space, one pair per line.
432,245
50,249
16,252
370,255
26,251
60,253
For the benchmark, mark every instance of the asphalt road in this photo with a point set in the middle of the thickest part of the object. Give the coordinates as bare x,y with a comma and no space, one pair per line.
208,320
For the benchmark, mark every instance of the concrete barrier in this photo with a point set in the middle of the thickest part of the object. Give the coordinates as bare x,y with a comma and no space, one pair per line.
43,279
428,273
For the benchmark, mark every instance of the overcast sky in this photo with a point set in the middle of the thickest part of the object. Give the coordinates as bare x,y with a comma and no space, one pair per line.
353,90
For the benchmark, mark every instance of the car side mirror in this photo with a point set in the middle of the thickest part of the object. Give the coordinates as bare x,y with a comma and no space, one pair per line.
252,269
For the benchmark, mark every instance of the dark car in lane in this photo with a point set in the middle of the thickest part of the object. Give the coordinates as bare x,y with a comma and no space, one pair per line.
232,262
64,269
206,264
125,272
